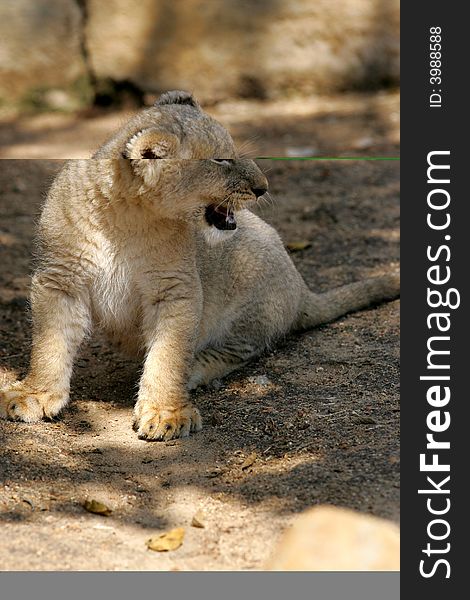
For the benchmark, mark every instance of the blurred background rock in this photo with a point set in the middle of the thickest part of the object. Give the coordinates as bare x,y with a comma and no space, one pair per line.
328,538
69,55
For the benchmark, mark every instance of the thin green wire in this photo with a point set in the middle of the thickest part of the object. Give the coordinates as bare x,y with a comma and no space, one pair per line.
327,158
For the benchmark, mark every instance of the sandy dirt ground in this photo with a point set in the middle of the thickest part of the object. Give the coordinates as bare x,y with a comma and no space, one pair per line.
316,421
345,124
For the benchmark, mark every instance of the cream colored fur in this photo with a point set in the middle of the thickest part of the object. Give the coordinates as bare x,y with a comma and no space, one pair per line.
125,246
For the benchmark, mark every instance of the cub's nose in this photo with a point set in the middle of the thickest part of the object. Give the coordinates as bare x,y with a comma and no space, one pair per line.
259,191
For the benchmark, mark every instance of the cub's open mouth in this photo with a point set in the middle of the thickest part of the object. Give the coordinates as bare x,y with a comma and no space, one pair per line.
221,217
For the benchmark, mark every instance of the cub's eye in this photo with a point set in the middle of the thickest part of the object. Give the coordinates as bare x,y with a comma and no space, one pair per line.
222,161
149,153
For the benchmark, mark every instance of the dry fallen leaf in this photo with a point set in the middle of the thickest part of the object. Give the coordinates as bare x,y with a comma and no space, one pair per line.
297,246
199,520
249,460
171,540
97,508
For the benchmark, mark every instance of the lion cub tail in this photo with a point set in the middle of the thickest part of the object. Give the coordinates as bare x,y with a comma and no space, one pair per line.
318,309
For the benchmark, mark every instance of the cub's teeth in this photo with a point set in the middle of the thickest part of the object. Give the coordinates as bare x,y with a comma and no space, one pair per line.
221,218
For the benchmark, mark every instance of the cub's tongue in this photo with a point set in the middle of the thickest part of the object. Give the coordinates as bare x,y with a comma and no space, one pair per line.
221,217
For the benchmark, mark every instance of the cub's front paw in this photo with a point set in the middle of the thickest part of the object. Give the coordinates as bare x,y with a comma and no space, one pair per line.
18,402
156,423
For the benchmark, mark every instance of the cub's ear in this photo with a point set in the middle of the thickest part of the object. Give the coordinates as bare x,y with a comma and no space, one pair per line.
151,143
177,97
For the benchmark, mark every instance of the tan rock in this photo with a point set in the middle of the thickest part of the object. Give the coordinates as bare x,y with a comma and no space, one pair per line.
216,49
335,539
40,46
244,48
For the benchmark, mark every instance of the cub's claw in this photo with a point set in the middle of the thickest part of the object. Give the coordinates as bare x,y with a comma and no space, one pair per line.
18,403
157,424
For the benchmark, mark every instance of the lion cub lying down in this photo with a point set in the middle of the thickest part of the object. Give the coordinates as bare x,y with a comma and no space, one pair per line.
165,257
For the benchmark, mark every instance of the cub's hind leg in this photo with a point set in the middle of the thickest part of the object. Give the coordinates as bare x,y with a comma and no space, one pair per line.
217,362
60,320
262,321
